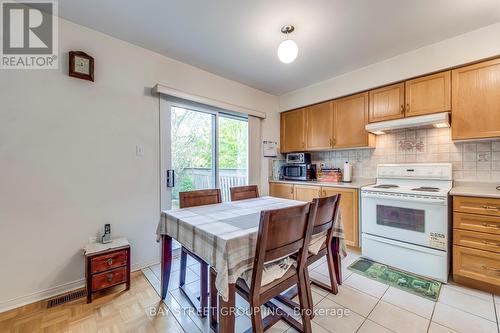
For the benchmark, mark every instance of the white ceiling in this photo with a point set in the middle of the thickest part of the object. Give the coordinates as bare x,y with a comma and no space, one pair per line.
238,39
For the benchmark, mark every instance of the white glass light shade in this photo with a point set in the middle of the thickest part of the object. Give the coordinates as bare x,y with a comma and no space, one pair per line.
287,51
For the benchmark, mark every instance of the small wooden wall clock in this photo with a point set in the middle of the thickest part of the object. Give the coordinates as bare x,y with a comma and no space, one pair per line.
81,65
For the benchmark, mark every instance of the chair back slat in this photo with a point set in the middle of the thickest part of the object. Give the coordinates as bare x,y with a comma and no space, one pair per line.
199,198
283,232
244,192
326,212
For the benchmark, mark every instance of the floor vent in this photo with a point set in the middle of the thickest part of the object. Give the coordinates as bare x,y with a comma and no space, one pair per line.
66,298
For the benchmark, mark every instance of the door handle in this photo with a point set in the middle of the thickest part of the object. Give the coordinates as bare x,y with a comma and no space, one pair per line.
170,178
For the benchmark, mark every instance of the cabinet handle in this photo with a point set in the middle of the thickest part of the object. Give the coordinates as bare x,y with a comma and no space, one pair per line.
324,193
331,142
291,190
487,268
109,277
490,207
303,144
494,244
109,261
491,225
407,107
402,108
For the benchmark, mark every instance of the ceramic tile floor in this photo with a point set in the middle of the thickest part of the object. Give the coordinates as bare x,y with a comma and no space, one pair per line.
373,306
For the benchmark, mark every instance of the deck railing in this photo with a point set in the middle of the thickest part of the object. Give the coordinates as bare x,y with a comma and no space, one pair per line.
202,178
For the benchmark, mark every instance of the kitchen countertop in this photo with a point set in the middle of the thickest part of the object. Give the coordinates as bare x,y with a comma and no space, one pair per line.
476,189
356,183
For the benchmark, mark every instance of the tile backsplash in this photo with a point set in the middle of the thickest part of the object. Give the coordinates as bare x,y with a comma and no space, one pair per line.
475,160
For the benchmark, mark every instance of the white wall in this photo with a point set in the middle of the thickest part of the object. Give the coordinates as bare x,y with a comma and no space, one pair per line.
471,46
67,158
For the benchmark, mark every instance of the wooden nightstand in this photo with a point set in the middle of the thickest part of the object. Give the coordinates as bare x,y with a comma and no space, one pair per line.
107,265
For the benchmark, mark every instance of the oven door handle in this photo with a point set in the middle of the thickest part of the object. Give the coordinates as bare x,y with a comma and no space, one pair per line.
440,201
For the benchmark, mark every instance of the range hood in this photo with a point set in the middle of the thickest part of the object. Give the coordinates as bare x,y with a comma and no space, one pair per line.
437,120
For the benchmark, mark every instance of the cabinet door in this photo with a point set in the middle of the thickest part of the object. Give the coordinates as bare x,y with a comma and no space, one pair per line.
279,190
387,103
349,211
428,94
350,119
293,131
476,264
306,192
476,101
319,132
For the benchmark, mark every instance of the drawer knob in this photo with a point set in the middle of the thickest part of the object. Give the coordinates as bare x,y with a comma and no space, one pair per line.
492,269
488,243
491,225
491,207
109,277
110,261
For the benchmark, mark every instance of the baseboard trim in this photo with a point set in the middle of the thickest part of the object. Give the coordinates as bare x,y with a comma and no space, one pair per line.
57,290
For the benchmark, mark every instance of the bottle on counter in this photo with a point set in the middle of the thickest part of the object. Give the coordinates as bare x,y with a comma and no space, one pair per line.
347,176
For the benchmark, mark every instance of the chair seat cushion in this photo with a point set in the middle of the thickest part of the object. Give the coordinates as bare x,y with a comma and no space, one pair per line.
245,285
273,270
317,242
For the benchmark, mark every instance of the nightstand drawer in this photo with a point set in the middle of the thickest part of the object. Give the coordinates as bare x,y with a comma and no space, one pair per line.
473,205
109,278
108,261
477,240
489,224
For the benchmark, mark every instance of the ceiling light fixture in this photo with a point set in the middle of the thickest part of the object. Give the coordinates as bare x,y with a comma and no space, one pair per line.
288,49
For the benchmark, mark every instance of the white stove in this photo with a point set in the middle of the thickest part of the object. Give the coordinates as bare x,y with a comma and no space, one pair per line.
405,219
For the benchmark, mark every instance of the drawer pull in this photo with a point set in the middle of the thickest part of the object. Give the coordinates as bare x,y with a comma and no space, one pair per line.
492,269
491,225
109,277
109,261
490,207
494,244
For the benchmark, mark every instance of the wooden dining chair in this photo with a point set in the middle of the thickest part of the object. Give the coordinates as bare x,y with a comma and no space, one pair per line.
282,232
244,192
192,199
324,223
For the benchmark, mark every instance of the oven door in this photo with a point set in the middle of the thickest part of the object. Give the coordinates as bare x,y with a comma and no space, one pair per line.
295,172
411,219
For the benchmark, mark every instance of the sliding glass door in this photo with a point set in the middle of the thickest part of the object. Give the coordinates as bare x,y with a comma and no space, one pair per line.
202,148
232,153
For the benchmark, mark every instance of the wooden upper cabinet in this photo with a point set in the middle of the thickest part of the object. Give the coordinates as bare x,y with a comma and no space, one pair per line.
387,103
293,131
350,119
428,94
476,101
319,126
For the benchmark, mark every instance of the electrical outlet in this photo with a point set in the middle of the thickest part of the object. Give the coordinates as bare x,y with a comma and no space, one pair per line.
92,240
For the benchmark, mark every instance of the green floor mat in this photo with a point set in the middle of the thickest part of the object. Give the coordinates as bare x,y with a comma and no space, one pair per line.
409,282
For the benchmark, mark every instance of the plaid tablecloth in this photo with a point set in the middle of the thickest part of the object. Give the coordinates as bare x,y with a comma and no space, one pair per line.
225,235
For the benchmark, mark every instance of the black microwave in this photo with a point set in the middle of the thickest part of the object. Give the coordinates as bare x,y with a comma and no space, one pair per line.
299,171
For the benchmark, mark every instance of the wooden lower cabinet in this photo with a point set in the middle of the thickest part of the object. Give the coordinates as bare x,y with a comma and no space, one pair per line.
476,243
306,192
349,208
349,203
281,190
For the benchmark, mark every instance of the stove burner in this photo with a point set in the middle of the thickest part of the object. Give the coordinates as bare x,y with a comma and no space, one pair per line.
386,186
426,189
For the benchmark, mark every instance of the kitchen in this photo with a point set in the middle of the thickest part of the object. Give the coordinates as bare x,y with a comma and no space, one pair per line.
421,171
173,153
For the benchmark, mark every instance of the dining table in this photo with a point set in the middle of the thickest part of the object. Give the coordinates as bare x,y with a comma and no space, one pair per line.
224,235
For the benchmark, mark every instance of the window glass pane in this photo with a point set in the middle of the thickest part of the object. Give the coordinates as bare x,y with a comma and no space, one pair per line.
401,218
233,154
192,151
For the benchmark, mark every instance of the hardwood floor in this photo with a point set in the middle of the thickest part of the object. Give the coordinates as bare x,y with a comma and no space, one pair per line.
115,310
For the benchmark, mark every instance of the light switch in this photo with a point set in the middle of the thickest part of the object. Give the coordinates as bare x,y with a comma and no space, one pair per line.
139,151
